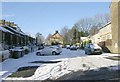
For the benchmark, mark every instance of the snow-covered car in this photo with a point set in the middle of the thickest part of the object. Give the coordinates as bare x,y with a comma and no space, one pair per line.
50,50
68,46
4,54
27,49
93,49
61,46
73,47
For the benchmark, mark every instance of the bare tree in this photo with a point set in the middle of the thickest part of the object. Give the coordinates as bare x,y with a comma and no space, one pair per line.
98,20
93,30
87,23
101,19
84,24
48,39
107,17
40,38
64,33
64,30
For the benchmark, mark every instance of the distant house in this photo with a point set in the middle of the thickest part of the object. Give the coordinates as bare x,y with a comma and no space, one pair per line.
56,38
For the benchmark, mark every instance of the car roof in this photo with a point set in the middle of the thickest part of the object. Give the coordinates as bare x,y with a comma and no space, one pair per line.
54,46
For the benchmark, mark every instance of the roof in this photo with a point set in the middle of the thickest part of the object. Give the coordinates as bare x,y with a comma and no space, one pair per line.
11,28
55,35
106,25
20,32
5,30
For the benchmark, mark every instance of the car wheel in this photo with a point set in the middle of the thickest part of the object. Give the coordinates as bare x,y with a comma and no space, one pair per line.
88,53
54,53
85,52
38,54
100,53
2,58
58,53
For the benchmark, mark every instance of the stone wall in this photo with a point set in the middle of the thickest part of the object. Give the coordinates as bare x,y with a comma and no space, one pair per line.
119,23
115,26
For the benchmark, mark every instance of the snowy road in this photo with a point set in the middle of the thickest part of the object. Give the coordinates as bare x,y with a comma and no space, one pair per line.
71,61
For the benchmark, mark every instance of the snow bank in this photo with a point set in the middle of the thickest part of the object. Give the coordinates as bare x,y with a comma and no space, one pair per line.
71,61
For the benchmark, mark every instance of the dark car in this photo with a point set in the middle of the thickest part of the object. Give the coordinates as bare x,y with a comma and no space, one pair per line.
41,46
73,47
93,49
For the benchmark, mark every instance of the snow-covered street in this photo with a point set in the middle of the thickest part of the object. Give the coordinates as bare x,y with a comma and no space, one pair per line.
71,61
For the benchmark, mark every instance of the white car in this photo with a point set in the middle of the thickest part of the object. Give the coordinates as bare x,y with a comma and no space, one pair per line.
68,46
50,50
4,54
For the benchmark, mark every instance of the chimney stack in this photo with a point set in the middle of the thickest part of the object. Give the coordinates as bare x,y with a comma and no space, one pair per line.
56,31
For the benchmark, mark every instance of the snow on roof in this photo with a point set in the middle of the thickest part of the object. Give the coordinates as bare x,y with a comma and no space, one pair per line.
12,29
16,30
22,33
5,30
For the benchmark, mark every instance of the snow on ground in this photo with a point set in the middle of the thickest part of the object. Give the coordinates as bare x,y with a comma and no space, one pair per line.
71,61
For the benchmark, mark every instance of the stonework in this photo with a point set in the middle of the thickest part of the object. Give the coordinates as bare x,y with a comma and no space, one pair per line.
115,26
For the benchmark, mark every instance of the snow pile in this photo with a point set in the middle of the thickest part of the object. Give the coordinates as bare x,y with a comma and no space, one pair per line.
5,54
52,71
109,54
71,61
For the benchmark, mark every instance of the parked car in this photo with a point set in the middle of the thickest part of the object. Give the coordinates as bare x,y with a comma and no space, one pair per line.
78,47
68,46
51,50
73,47
27,49
41,46
4,54
61,46
93,49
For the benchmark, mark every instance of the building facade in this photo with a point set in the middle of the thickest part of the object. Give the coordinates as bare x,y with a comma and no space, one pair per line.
104,37
11,35
56,38
115,25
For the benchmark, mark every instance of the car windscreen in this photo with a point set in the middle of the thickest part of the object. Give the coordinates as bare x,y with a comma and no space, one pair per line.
93,45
